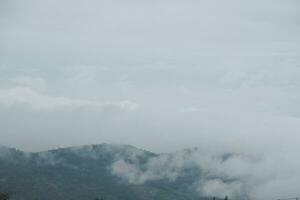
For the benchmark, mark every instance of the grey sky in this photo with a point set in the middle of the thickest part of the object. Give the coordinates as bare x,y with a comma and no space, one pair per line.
161,75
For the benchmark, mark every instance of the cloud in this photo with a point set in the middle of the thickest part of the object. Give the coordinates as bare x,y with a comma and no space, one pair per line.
209,176
210,173
218,188
158,168
28,115
24,97
118,34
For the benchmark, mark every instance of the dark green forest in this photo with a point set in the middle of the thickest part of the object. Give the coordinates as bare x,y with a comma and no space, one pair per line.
75,174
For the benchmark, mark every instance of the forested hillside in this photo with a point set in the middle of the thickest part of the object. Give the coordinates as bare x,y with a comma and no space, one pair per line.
112,172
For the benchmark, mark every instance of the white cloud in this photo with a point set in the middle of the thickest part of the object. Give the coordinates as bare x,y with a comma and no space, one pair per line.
218,188
35,83
246,176
26,98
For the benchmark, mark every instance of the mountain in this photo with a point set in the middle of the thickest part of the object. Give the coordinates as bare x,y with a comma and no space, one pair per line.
114,172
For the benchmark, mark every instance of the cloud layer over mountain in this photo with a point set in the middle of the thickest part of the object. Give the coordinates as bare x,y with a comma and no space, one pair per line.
214,174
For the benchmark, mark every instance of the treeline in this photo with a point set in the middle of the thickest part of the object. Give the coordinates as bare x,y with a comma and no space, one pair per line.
6,196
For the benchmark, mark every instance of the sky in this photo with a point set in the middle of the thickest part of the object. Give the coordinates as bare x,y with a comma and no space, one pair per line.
159,75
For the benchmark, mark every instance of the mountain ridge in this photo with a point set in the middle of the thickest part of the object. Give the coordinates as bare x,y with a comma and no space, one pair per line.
111,171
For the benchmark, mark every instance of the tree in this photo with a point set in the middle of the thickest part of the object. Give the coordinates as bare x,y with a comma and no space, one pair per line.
4,196
226,197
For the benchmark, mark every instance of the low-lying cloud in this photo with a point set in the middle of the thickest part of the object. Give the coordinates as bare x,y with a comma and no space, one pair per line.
236,175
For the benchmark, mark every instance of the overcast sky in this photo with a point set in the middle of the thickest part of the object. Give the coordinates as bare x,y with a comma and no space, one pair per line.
160,75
